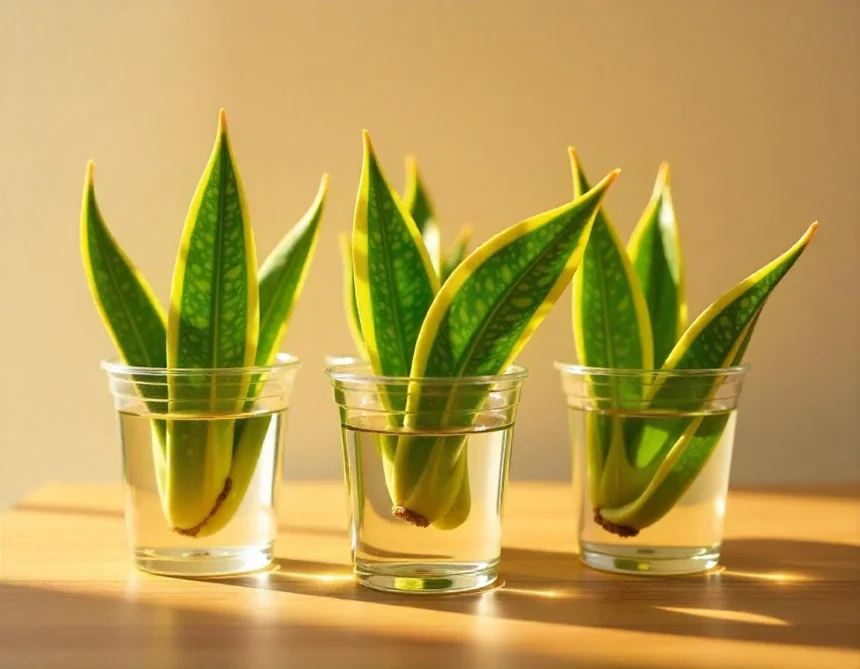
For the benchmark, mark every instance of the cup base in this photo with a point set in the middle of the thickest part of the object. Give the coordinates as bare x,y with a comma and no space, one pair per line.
649,560
430,578
204,562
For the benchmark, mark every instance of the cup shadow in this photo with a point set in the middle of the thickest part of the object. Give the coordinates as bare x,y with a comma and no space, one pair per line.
772,591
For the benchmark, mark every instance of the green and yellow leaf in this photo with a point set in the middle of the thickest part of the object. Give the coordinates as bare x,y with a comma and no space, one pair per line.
655,251
282,277
134,318
478,323
213,322
707,343
675,452
610,316
129,309
394,278
612,329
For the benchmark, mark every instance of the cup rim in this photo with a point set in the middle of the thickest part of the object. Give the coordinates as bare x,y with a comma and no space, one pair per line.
584,370
283,362
348,373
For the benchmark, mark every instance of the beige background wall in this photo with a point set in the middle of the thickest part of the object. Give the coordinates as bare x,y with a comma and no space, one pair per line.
755,104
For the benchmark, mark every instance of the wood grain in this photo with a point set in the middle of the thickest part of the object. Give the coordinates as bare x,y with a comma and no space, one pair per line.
788,595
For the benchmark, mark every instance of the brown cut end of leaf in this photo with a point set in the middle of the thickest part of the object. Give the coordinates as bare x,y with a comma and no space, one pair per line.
222,497
410,516
623,531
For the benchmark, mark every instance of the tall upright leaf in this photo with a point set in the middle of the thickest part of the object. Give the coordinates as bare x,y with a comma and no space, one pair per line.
611,323
417,202
478,323
213,322
281,279
394,279
655,251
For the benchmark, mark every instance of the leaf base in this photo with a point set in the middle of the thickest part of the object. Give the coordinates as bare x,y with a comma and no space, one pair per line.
410,516
194,531
623,531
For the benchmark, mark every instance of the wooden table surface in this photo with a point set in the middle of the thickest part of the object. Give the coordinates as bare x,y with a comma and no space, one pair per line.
788,595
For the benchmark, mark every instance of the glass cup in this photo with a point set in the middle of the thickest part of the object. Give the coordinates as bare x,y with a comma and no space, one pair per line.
337,360
426,467
652,452
201,461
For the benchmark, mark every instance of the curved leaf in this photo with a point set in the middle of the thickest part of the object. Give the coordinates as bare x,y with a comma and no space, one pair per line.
213,322
282,277
394,279
714,333
677,451
478,323
655,251
497,297
134,318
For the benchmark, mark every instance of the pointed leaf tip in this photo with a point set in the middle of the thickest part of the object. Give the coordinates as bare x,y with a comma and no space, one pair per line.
91,168
324,182
606,181
664,174
365,138
222,120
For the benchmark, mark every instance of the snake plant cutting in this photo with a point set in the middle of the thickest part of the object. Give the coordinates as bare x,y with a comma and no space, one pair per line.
474,323
416,200
223,313
629,313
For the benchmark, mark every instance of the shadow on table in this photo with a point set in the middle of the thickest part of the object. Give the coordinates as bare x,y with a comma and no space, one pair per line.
62,629
772,591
